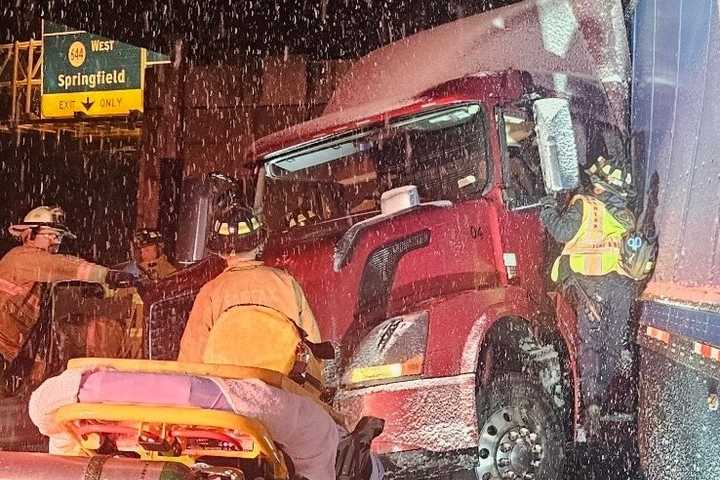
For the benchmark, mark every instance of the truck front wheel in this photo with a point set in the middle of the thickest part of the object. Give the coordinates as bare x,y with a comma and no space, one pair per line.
521,432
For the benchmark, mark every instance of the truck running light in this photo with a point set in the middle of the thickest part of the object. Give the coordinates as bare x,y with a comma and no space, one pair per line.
413,366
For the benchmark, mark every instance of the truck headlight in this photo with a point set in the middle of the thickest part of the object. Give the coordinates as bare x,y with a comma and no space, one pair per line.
391,352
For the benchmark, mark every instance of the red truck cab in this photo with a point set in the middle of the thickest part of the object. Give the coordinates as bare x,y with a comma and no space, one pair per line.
440,306
414,232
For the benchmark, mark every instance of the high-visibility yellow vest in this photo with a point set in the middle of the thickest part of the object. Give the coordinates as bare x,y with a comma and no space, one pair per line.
595,248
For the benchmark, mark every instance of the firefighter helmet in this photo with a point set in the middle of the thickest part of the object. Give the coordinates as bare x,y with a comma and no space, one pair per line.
236,229
147,236
48,217
612,176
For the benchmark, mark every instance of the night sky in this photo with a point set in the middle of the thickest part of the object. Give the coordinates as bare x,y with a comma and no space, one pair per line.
228,31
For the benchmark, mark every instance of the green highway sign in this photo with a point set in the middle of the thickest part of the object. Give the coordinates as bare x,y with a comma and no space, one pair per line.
90,74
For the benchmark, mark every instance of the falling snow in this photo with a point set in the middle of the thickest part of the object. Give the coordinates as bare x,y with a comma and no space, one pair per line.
314,113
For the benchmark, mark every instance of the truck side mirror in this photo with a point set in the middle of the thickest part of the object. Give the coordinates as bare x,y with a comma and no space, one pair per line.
200,195
556,143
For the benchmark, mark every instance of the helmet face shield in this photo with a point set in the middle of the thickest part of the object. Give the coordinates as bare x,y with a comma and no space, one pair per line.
52,233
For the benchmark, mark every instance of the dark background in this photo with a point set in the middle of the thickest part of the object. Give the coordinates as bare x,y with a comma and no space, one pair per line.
228,31
96,185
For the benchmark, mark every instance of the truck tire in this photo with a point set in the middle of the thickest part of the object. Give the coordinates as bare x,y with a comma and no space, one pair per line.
521,433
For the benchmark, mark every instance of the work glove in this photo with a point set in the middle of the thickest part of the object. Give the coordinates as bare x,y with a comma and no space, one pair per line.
548,201
354,459
120,279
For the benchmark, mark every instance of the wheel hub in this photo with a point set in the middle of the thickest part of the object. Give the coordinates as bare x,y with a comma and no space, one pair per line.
510,447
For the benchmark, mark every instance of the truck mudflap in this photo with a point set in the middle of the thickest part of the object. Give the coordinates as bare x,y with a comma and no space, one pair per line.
41,466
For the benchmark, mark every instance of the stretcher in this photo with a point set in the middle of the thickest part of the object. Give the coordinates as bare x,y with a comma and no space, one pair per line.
208,440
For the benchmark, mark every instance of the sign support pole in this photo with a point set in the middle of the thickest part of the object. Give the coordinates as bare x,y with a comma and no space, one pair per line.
163,135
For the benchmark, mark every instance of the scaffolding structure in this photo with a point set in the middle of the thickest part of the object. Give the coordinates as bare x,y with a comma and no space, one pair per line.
20,93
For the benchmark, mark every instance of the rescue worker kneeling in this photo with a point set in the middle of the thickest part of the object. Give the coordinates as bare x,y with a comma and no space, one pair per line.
294,419
246,284
256,316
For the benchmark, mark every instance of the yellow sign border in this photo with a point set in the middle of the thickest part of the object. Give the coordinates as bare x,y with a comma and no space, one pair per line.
107,103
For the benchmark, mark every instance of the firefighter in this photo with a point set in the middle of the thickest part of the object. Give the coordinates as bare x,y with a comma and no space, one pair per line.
148,262
25,269
302,215
238,237
592,228
149,259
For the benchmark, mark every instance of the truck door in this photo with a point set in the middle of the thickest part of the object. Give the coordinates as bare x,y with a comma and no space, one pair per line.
522,175
526,250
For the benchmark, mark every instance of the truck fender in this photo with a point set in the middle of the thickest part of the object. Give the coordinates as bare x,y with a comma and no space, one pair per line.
478,354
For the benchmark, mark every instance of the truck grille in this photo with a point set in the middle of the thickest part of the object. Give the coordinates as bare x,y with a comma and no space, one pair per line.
380,268
166,325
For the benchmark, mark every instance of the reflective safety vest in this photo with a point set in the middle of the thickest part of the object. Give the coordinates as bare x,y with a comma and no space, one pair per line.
595,248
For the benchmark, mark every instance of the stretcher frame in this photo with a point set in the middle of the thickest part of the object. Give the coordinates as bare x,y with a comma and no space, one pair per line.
164,422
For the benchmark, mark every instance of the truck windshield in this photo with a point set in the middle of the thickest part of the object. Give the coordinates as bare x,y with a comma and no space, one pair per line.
442,152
